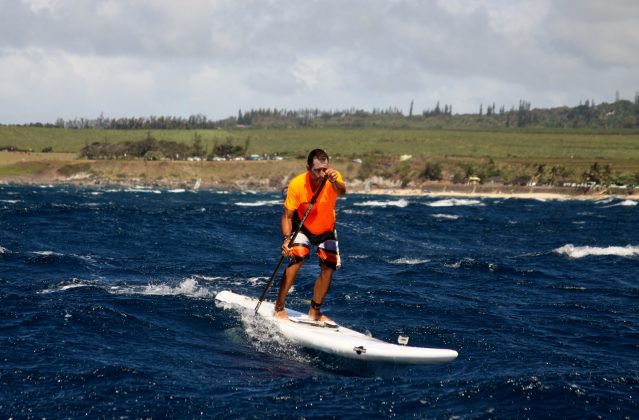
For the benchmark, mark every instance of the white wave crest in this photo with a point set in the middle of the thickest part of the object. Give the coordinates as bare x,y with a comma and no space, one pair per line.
451,202
231,281
586,251
263,336
188,287
445,216
358,212
67,286
627,203
254,281
87,258
458,264
409,261
624,203
259,203
401,203
3,250
177,190
139,189
47,253
209,278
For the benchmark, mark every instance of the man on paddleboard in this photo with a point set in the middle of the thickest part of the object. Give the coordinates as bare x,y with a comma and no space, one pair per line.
318,229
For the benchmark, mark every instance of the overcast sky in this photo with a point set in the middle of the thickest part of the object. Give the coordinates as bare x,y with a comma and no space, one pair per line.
78,58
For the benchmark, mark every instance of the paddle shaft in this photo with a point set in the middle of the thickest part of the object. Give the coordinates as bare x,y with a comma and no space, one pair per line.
293,236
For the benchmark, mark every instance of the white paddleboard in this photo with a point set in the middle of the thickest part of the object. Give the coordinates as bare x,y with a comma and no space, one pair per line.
334,338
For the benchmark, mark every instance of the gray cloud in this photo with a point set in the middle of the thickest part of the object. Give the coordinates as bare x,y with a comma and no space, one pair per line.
77,58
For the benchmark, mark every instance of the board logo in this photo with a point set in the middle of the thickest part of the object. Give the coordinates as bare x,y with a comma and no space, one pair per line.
359,349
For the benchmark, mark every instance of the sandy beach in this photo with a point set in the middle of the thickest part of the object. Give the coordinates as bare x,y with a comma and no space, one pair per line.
523,195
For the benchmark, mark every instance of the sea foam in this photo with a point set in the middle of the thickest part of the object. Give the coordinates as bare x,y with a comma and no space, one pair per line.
585,251
259,203
401,203
451,202
445,216
624,203
409,261
188,287
627,203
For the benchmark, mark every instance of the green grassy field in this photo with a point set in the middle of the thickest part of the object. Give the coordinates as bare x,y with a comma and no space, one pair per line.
575,150
356,142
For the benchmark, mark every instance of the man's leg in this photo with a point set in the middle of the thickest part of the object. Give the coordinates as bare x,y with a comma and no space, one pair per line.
320,289
288,278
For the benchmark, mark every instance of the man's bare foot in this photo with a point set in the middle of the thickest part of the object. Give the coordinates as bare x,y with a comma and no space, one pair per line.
316,315
281,314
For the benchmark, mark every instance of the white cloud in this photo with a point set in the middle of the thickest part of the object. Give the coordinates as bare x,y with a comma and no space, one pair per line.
38,5
77,58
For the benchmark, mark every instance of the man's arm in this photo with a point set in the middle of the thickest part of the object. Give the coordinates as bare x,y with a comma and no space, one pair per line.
287,229
333,178
287,222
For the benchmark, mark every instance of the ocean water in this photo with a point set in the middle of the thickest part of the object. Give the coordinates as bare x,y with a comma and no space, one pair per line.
107,307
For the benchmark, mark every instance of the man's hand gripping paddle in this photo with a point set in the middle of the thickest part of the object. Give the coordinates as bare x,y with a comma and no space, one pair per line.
293,236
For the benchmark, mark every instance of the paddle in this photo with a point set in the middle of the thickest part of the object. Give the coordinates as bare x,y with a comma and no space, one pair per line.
293,236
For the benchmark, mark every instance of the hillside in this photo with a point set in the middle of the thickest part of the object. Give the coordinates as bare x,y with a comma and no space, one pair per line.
585,145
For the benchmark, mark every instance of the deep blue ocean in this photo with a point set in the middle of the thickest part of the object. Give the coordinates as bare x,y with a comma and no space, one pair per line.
107,307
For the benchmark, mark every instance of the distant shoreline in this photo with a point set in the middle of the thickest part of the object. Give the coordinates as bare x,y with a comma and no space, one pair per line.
505,192
440,190
255,176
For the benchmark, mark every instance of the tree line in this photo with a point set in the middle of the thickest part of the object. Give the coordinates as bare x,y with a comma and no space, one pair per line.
619,114
152,149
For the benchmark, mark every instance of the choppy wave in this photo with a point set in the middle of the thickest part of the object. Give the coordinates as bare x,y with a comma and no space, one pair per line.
585,251
48,253
451,202
142,190
470,263
409,261
210,278
445,216
261,203
570,287
623,203
189,287
75,284
357,212
142,317
401,203
265,337
629,203
255,281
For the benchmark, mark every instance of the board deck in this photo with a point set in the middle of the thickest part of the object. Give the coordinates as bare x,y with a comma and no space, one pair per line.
335,339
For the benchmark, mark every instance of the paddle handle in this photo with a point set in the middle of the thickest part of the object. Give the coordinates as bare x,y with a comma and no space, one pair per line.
293,236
